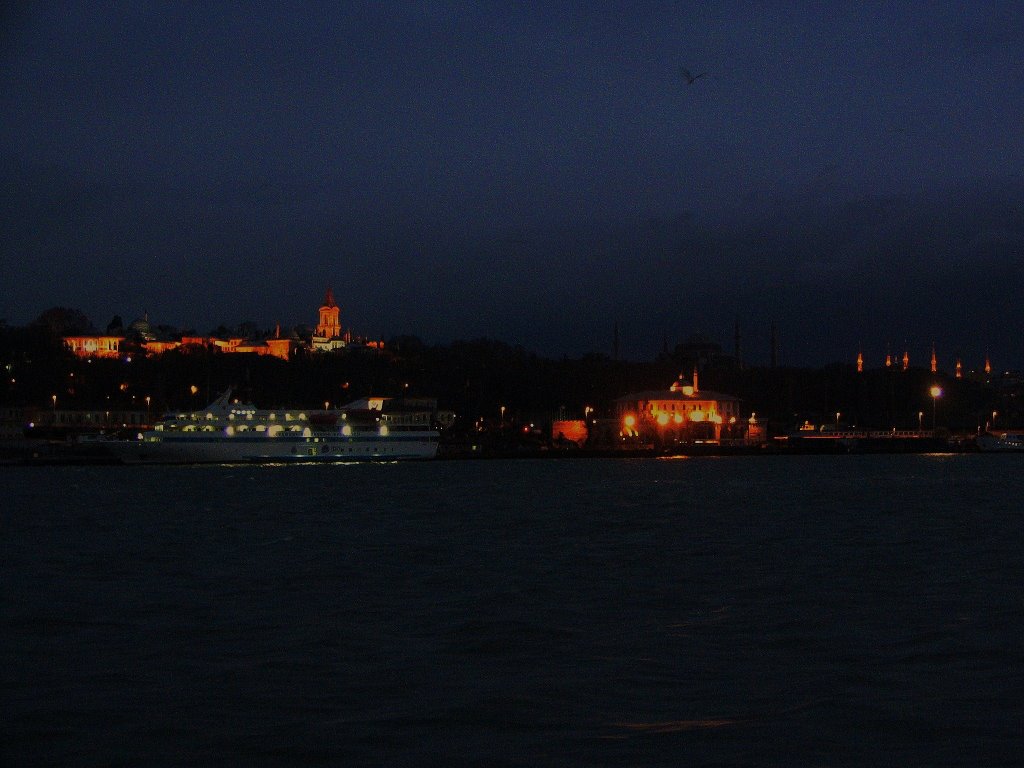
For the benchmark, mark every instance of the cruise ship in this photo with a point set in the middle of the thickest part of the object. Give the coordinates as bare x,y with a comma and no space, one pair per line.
229,431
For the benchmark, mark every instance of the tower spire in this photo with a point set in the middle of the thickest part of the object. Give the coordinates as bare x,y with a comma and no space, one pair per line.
329,326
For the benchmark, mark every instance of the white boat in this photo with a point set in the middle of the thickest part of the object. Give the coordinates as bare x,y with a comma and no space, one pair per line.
1000,441
228,431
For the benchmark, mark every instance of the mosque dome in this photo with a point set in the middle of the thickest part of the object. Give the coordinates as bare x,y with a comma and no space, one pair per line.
140,327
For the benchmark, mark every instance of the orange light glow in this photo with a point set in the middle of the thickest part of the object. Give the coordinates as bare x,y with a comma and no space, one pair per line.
935,391
630,421
697,416
678,418
663,419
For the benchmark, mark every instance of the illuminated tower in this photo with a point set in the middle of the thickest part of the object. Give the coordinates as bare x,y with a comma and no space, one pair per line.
329,326
906,359
959,369
860,361
988,365
935,362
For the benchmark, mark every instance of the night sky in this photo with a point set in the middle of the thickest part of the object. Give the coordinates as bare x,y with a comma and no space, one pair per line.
536,174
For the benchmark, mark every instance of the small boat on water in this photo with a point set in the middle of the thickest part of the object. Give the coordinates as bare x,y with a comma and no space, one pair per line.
228,431
998,442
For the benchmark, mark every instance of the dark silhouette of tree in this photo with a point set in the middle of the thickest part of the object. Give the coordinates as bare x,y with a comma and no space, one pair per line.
64,321
249,329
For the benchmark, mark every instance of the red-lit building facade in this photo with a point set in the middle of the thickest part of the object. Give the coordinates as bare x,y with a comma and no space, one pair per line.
681,412
329,336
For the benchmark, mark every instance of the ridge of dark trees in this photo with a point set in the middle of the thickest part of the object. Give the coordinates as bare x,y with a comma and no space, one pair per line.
476,378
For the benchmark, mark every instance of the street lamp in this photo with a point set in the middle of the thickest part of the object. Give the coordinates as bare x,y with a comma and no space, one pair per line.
838,414
54,398
936,393
920,419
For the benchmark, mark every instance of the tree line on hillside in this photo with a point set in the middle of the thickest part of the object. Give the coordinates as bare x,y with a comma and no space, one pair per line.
482,378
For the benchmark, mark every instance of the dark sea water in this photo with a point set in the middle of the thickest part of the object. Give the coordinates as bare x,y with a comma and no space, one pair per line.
759,611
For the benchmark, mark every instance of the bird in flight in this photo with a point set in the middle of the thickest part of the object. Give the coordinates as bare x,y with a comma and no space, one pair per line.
691,79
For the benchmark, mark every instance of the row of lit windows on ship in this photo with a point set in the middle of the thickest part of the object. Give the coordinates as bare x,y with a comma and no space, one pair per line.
248,415
401,418
276,429
272,430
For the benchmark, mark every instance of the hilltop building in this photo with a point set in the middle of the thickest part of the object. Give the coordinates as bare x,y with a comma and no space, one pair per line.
94,346
329,335
140,337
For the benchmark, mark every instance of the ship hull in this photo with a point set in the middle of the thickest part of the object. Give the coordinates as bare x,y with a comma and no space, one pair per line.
216,449
1002,443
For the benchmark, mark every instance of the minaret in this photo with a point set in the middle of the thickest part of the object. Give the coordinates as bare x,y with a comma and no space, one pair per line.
988,365
935,362
888,357
959,369
860,361
906,359
695,388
